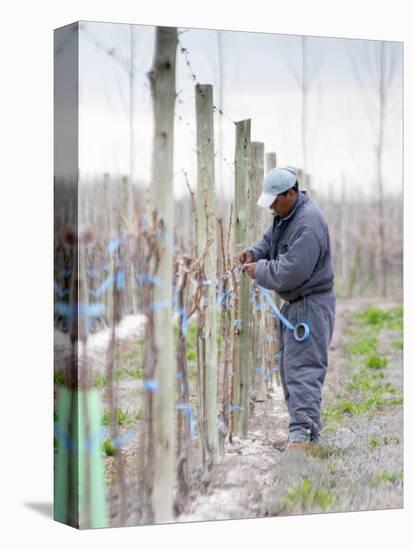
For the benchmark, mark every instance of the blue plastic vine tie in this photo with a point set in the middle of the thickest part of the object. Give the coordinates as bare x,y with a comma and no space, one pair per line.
286,322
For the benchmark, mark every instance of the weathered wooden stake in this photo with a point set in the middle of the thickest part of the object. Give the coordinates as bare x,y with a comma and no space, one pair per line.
271,346
242,342
162,77
207,238
255,220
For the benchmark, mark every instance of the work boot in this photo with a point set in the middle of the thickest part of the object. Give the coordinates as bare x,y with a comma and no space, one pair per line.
286,445
280,438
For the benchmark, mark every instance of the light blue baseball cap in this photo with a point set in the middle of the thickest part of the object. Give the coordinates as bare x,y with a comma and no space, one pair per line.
276,181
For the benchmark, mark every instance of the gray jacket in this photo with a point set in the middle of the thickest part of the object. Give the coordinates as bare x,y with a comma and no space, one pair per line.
294,256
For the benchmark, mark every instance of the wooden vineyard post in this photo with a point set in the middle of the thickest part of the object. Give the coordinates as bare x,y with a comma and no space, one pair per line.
266,216
255,220
271,340
162,78
240,405
207,242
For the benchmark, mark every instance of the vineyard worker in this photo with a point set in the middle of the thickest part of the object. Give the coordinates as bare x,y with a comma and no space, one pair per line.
294,258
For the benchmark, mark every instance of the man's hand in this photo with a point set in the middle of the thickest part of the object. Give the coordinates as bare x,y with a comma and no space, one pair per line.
244,257
250,269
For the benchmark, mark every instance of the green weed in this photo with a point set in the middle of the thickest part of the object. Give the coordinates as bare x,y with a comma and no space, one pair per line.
391,477
100,381
373,316
389,440
117,375
365,391
351,408
380,318
373,443
376,362
363,344
397,344
137,373
363,381
109,448
396,401
191,355
308,497
323,452
122,417
105,418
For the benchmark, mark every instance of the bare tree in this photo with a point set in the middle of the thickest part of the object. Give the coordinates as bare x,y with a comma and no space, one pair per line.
304,73
374,65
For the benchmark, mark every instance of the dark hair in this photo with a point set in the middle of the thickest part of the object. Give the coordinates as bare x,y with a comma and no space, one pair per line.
294,188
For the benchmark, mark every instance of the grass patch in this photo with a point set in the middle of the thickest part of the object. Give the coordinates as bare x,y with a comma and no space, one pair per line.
381,318
397,344
137,373
388,477
105,418
346,407
376,362
117,375
100,381
191,355
109,448
129,359
364,382
373,443
190,346
365,391
396,401
392,440
307,497
123,417
363,344
324,452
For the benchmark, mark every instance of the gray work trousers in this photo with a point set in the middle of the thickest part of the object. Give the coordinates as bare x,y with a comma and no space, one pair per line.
303,365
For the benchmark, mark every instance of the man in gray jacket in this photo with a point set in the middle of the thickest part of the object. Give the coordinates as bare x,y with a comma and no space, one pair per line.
294,258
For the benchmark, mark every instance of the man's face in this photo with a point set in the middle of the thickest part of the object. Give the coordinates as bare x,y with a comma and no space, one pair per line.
283,204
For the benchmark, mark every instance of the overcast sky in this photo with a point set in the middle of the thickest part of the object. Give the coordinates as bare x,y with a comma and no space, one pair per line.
261,79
